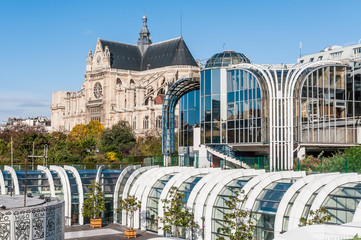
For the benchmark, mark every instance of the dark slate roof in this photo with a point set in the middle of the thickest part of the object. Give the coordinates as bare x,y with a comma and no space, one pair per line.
123,56
162,54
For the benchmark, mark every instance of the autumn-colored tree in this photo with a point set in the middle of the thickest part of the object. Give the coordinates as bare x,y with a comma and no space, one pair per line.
77,133
94,129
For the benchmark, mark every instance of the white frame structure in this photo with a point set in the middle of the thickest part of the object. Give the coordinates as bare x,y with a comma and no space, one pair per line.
66,191
78,180
14,177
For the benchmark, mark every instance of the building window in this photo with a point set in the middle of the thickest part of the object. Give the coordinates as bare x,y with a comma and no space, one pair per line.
146,122
119,82
134,123
311,59
146,103
319,58
158,122
301,61
357,52
336,55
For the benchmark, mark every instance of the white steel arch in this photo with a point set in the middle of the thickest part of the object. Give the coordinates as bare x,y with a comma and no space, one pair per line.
143,185
327,189
254,193
199,186
208,198
2,183
202,197
66,190
47,172
14,178
128,170
79,183
177,181
281,97
99,174
291,80
304,196
271,87
281,210
136,174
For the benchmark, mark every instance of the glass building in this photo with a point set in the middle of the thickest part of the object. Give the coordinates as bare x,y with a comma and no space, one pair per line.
278,112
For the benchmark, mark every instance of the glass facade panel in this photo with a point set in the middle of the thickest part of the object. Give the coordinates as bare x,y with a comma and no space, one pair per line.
342,202
244,102
265,208
327,99
153,201
220,208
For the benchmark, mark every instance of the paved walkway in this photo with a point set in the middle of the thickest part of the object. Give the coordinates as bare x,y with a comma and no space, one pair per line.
109,232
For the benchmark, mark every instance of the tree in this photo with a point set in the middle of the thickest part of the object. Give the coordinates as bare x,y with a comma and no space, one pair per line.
176,215
94,203
129,205
94,128
318,216
238,221
77,133
150,145
119,137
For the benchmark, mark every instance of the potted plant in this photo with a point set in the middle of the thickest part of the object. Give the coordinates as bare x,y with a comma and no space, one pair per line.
130,205
94,204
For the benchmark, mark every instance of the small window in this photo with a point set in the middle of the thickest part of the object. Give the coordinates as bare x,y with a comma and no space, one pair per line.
319,58
311,59
336,55
357,52
146,122
301,61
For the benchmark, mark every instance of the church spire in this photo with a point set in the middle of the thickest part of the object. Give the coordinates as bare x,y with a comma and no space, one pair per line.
144,35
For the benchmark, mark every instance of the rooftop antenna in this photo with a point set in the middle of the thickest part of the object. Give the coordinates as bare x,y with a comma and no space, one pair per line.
300,49
223,45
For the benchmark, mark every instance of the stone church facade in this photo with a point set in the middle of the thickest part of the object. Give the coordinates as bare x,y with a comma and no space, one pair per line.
125,82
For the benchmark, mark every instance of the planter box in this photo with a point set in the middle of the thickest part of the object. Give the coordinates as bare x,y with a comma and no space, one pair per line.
96,223
130,233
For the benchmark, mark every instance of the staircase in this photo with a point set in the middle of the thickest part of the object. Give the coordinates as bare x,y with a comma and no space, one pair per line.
227,153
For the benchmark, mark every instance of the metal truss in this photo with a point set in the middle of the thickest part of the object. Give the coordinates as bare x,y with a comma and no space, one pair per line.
174,93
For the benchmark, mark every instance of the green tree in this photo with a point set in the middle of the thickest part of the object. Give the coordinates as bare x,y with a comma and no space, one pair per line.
129,205
3,146
119,137
150,145
176,215
238,221
318,216
94,203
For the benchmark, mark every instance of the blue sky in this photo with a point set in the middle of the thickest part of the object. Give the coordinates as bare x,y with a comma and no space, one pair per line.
44,44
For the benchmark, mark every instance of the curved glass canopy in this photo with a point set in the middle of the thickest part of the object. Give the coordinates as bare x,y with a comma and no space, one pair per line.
226,58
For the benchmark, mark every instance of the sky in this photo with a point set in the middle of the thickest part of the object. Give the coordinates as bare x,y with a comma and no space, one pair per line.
44,44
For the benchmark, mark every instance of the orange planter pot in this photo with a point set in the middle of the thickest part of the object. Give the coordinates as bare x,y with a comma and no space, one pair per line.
130,233
96,223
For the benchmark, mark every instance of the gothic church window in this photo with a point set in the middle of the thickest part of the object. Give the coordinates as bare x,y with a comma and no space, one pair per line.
135,123
146,122
158,122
